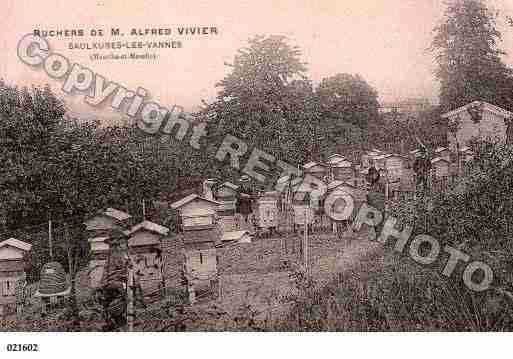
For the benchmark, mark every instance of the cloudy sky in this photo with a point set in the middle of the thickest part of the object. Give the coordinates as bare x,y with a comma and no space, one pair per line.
383,40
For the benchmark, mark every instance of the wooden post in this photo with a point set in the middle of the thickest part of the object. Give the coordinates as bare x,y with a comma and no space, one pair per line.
386,189
50,241
130,299
305,243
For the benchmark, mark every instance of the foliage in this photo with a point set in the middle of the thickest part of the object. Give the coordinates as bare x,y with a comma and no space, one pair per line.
394,294
348,98
469,64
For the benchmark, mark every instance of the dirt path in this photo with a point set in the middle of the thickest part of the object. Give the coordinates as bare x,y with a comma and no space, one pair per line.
264,291
356,248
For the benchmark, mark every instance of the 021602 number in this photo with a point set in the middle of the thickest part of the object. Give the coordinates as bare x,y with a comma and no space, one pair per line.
22,347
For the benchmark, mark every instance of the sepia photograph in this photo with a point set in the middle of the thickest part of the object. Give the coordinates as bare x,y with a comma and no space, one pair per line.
307,170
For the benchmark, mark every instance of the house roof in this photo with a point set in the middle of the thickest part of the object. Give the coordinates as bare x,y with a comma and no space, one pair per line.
191,198
336,155
396,155
117,214
341,162
439,159
233,235
466,149
381,157
440,149
335,184
113,213
486,107
283,179
312,164
151,227
230,185
13,242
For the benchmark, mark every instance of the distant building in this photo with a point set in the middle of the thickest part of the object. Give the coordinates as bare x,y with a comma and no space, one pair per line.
12,271
477,119
405,107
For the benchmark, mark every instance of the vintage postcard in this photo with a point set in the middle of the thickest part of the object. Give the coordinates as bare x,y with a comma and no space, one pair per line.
267,166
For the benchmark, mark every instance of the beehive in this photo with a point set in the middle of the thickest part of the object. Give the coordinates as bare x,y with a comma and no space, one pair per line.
267,210
53,281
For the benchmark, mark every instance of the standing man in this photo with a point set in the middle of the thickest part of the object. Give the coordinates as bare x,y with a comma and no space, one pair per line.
21,296
245,199
422,167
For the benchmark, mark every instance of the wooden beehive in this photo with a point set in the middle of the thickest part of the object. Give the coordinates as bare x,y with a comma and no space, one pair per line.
13,254
342,169
107,220
226,195
303,212
145,251
315,169
199,221
196,212
440,167
267,210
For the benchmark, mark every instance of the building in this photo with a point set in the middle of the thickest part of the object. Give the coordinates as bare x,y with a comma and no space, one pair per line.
441,173
410,106
368,158
226,194
99,251
145,252
315,169
236,237
395,165
107,220
440,167
477,119
13,260
196,212
267,212
201,235
99,228
341,168
443,152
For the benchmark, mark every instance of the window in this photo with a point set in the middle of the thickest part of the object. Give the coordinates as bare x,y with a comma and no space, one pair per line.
201,258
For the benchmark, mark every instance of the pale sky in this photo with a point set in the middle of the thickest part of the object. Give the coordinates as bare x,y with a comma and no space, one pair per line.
383,40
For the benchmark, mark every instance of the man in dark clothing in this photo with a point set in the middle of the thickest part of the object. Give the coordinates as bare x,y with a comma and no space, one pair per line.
245,198
421,167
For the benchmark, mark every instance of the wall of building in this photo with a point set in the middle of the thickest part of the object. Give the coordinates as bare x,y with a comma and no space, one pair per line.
490,125
8,252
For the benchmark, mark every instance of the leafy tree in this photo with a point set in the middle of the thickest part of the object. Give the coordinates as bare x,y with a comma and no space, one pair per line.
268,101
348,98
469,64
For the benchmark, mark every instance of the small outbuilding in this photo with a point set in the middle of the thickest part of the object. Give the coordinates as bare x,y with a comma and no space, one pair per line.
145,251
13,260
315,169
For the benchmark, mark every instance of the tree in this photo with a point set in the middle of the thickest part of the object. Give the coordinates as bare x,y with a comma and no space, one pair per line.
469,64
348,98
268,101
